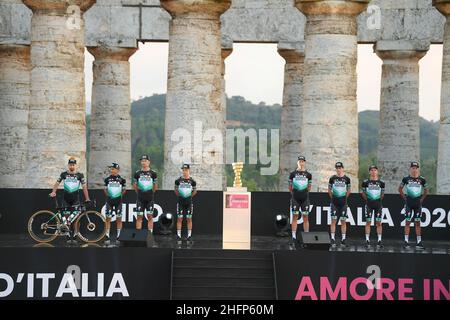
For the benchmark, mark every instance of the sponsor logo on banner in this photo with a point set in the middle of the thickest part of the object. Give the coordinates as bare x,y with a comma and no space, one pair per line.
236,201
128,214
361,288
435,218
71,284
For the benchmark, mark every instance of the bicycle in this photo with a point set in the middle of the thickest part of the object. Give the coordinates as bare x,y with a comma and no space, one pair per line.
45,226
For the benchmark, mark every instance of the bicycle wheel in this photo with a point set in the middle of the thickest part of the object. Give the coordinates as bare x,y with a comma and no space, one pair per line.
43,226
90,226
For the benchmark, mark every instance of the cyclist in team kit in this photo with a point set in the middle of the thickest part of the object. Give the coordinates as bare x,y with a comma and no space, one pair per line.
72,181
299,187
114,190
339,191
185,189
373,193
413,189
145,184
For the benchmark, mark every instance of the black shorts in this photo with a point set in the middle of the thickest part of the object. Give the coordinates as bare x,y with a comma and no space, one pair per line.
300,205
70,205
146,205
114,206
413,211
370,211
185,209
339,211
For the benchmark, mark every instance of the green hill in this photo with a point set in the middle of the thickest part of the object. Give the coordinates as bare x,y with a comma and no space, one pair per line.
368,135
147,135
368,141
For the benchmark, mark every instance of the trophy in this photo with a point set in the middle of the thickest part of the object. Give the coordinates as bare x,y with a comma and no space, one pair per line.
237,203
237,168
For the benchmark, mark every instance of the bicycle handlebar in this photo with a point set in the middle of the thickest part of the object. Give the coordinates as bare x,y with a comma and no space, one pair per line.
93,203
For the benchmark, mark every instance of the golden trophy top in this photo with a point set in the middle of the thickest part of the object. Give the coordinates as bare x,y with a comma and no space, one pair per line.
237,183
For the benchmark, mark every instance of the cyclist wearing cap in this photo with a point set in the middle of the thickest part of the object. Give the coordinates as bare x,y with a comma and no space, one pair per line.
145,184
72,181
339,191
416,191
185,189
373,194
299,187
114,190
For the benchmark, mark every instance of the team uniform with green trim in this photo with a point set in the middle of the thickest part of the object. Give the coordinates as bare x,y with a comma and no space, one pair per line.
114,186
414,189
300,182
185,204
71,196
145,181
339,187
374,190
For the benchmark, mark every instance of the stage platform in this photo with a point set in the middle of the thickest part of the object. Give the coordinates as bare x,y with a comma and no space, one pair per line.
272,269
215,243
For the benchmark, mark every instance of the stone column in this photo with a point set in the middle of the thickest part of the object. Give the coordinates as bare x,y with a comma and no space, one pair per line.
291,112
227,49
330,117
443,163
14,105
56,127
110,135
195,122
399,132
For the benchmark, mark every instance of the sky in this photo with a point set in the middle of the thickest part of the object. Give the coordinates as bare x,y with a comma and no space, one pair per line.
256,72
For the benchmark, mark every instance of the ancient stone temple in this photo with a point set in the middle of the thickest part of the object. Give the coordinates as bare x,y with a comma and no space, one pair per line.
42,104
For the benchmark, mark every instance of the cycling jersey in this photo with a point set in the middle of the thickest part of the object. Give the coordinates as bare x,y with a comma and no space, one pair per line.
71,183
414,189
185,188
114,186
374,190
339,187
145,181
300,182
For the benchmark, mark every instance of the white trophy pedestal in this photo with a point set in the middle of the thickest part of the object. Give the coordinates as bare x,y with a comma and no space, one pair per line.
236,218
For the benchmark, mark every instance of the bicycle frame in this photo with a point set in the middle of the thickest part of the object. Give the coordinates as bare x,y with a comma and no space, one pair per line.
60,209
63,219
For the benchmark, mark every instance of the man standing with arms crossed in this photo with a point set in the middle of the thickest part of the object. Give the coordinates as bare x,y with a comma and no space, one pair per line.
373,194
299,187
339,191
413,189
